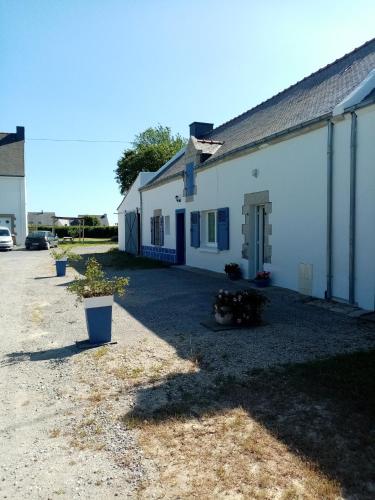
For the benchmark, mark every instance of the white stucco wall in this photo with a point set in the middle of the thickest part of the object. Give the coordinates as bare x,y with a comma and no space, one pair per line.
13,201
365,209
294,173
340,209
163,198
130,203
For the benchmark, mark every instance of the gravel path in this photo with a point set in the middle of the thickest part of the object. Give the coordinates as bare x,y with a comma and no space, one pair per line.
39,391
60,419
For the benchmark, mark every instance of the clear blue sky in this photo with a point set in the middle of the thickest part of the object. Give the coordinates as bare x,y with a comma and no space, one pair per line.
95,69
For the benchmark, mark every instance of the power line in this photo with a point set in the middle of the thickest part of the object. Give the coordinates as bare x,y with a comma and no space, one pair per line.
76,140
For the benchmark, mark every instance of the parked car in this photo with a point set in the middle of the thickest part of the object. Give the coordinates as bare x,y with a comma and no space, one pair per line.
6,240
41,239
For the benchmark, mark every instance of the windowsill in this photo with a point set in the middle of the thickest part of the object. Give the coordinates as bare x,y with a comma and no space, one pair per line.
208,249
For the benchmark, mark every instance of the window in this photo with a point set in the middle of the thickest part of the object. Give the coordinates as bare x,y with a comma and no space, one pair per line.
208,229
167,225
189,179
157,230
211,227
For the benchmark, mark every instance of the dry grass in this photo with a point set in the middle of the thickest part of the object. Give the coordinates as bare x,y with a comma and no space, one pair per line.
54,433
268,435
100,352
227,455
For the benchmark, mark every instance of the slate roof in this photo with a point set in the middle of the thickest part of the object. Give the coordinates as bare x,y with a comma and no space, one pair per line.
12,153
312,98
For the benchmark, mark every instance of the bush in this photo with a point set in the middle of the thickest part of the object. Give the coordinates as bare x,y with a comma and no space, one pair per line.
95,283
90,231
246,306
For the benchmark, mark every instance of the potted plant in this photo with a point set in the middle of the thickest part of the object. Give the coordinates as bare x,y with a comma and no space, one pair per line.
233,271
243,307
97,291
61,258
223,307
262,279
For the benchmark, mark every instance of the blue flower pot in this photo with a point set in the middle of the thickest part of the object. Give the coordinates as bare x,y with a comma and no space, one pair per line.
98,311
61,267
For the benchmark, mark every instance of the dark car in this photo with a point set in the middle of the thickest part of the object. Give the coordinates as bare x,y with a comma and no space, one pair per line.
41,239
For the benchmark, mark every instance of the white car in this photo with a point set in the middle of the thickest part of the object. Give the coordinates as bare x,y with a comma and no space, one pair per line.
6,240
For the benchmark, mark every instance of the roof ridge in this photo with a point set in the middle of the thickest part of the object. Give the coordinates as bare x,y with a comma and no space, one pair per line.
258,106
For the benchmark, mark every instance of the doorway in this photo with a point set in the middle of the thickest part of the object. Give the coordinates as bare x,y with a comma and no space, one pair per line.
259,237
180,237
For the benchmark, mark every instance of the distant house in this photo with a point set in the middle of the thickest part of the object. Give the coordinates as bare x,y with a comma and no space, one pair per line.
286,187
12,183
42,219
102,219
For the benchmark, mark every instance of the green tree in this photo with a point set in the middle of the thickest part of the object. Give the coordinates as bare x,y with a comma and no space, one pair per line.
150,150
91,220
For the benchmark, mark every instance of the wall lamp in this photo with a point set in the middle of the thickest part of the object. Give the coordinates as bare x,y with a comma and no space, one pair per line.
178,198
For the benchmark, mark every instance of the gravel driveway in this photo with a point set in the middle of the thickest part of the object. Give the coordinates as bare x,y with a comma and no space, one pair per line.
39,325
44,378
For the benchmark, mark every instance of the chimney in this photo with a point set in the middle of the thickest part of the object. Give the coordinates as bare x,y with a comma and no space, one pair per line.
199,129
20,133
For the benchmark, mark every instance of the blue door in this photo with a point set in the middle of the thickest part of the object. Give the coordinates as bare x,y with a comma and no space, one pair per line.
180,236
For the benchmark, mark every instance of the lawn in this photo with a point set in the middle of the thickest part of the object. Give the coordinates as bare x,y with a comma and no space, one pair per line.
88,241
115,259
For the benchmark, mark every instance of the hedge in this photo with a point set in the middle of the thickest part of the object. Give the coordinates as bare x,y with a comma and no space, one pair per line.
90,231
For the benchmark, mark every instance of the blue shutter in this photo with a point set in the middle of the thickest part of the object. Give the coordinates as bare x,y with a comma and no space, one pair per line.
161,229
223,228
189,179
152,231
195,229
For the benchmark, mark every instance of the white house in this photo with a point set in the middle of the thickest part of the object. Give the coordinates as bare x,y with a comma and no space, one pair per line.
287,187
12,183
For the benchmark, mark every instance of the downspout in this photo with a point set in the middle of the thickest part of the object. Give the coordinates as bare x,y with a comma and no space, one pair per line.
352,207
329,209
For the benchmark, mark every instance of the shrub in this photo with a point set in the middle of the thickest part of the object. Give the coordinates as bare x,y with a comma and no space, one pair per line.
65,253
233,270
246,306
90,231
95,284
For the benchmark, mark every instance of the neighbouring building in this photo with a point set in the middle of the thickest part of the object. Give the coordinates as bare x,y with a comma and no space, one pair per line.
41,219
13,183
287,187
102,219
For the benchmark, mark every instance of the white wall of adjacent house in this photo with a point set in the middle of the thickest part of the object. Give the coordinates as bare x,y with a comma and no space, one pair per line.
13,202
130,203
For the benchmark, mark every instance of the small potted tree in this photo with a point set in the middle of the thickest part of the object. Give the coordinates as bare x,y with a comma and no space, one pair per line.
62,256
97,291
262,279
233,271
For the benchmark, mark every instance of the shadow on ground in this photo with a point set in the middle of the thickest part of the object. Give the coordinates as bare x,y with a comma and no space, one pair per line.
322,410
59,353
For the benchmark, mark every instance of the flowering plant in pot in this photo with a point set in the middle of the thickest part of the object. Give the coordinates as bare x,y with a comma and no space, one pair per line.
248,307
243,307
97,291
62,257
233,271
223,307
262,279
